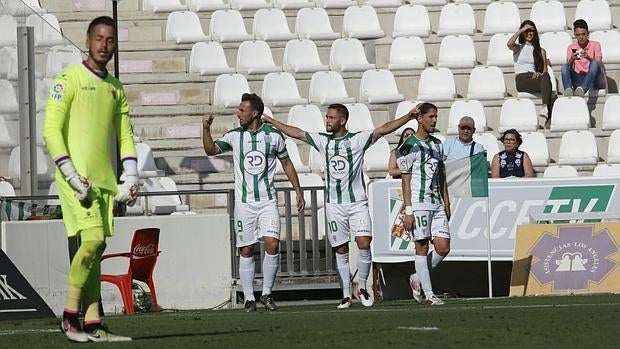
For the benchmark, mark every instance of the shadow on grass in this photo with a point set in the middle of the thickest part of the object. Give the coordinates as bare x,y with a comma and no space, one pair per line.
173,335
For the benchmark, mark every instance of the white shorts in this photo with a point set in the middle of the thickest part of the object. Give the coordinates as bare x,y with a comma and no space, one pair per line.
254,220
430,224
344,220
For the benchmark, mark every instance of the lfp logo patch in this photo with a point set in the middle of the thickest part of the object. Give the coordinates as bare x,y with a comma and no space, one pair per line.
57,91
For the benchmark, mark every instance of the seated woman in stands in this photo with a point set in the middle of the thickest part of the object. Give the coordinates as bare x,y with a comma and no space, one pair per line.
392,166
511,162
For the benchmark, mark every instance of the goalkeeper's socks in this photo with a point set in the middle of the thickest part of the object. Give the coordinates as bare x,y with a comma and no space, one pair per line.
344,272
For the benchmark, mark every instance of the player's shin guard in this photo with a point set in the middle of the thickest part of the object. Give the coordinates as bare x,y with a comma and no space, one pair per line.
270,269
246,275
364,261
421,268
344,272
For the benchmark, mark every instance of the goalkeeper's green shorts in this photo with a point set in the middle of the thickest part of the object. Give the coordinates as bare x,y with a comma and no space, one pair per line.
77,217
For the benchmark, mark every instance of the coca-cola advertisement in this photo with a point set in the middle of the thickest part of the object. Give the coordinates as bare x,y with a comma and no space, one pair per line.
144,250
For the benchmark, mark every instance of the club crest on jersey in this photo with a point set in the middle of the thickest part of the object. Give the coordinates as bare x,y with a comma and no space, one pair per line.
338,167
57,91
254,162
267,138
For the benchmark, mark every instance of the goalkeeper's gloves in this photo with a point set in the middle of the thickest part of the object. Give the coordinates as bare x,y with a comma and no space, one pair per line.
128,190
80,184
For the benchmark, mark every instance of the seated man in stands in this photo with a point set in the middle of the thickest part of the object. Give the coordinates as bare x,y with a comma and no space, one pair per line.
460,147
583,62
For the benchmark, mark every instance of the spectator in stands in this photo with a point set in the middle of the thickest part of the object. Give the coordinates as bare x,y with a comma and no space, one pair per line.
392,166
463,146
583,62
511,162
530,64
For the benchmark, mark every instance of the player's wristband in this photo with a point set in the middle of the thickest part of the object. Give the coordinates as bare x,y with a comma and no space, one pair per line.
408,210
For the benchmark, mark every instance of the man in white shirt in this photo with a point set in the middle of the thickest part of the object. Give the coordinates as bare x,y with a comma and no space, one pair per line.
464,145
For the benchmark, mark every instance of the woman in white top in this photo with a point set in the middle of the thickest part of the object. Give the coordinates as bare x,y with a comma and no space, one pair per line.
530,63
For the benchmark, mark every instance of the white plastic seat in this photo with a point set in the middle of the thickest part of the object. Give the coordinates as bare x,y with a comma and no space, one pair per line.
606,170
613,148
361,22
403,108
45,170
610,44
384,3
254,57
271,25
208,58
292,4
429,2
549,16
335,3
165,204
376,157
146,162
440,137
407,52
6,188
596,13
315,160
46,29
228,26
164,5
42,92
473,2
313,23
560,171
555,43
9,133
327,87
611,113
311,180
535,145
578,148
456,19
457,51
360,118
8,98
59,58
8,31
293,153
379,86
411,20
570,113
436,84
184,27
348,55
280,90
302,56
472,108
486,82
207,5
498,53
249,4
489,142
307,117
8,63
501,17
228,89
518,113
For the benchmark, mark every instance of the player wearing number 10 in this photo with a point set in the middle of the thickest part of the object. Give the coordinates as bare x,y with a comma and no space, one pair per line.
346,207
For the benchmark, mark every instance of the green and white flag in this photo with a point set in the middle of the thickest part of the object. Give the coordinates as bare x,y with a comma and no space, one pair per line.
468,177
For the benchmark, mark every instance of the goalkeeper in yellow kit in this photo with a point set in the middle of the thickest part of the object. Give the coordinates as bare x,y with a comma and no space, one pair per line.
85,104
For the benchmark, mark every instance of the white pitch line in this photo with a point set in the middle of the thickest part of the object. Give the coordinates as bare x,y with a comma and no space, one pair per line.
425,328
14,332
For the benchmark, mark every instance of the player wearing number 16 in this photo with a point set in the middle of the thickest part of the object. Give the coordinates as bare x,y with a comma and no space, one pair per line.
346,207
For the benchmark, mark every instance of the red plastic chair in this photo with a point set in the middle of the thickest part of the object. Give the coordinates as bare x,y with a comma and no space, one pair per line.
142,259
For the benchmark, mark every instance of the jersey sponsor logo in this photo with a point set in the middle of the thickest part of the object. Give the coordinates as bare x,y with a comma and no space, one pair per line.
113,91
58,91
338,166
254,162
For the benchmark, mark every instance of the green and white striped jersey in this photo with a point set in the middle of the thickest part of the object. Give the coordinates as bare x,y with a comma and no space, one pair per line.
423,159
254,156
342,159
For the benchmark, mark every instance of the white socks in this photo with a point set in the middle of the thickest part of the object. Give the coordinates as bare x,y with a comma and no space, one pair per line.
363,267
344,272
433,259
270,269
421,268
246,275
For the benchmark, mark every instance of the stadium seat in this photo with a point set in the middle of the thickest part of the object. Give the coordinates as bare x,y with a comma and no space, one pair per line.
313,180
8,98
403,108
361,22
578,148
327,87
407,52
456,19
606,170
293,154
163,204
411,20
271,25
46,29
335,3
33,5
6,188
315,160
42,92
535,145
208,58
142,258
313,23
8,31
376,157
292,4
307,117
489,142
146,162
439,136
60,57
570,113
39,119
8,63
610,44
379,86
359,117
21,8
473,2
164,5
207,5
228,26
436,84
457,51
384,3
254,57
486,82
302,56
228,89
549,16
498,53
429,2
280,90
560,171
472,108
611,113
555,43
184,27
613,148
501,17
249,4
9,133
348,55
45,169
596,13
518,113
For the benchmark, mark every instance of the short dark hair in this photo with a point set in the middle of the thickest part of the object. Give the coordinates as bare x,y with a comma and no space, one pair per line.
340,109
105,20
426,107
255,101
514,132
580,23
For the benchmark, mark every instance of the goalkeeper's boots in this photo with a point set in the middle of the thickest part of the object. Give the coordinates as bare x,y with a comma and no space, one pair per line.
72,329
